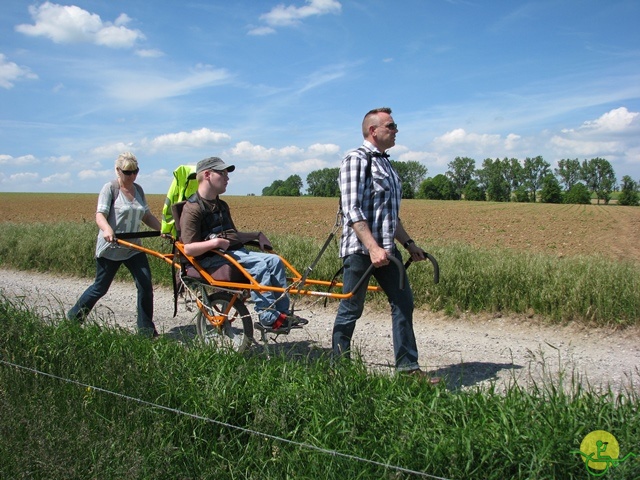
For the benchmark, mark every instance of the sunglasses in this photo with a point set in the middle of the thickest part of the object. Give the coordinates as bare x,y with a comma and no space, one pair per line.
129,172
391,126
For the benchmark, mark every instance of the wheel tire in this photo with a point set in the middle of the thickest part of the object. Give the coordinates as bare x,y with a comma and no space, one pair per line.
237,331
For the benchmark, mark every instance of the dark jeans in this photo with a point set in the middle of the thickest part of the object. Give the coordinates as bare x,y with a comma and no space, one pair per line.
106,270
401,302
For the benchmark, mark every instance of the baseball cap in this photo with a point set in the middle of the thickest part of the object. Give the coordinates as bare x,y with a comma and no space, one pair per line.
213,163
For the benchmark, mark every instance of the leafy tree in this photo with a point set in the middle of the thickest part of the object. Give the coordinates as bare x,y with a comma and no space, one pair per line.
293,186
461,172
437,188
473,191
480,178
411,175
534,171
551,191
521,194
498,188
513,173
569,172
629,194
600,178
578,193
271,189
324,183
288,188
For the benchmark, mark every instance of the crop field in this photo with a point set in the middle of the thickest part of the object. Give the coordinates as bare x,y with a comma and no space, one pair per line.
561,230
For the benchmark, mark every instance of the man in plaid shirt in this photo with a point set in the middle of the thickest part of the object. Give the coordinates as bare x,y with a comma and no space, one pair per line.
370,199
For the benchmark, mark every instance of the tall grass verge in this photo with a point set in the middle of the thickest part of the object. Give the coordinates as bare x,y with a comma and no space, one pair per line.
588,289
90,402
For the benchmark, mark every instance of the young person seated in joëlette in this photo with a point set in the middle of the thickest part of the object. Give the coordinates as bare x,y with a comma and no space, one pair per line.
203,220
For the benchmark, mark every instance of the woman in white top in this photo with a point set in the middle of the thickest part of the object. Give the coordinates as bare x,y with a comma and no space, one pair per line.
121,207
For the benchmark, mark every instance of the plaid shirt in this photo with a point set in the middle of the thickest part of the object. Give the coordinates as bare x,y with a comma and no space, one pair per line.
375,199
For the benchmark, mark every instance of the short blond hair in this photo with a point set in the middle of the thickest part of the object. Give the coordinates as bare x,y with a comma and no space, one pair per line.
127,161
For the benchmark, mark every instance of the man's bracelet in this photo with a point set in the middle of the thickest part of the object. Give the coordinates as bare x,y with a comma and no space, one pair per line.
407,243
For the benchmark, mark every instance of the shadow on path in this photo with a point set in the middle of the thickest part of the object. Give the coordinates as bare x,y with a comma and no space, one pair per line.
467,374
455,376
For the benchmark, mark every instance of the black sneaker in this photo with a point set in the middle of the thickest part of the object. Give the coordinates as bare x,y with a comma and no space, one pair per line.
296,321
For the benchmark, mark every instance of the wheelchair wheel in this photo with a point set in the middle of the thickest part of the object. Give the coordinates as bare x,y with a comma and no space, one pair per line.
236,332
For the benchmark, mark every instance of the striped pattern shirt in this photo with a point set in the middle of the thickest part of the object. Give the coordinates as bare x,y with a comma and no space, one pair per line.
374,197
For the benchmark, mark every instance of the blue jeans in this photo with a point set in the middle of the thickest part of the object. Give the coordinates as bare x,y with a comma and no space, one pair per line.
401,302
106,270
267,269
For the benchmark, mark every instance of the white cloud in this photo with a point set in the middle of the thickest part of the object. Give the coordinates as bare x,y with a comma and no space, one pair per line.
143,88
24,178
266,174
161,174
283,16
617,120
615,136
113,150
306,166
62,160
195,138
202,137
319,78
116,37
149,53
249,151
459,142
512,141
11,72
8,160
94,174
58,179
427,158
579,147
614,133
459,137
324,149
72,24
259,31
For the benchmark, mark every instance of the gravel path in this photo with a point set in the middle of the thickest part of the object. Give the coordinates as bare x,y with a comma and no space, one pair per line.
469,352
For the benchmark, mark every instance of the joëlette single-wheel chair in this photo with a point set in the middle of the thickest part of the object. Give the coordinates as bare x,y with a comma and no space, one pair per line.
223,318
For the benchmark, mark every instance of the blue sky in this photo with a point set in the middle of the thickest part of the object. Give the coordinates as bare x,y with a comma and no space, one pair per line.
281,88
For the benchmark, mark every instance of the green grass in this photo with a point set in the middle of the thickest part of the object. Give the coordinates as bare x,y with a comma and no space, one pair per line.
168,410
588,289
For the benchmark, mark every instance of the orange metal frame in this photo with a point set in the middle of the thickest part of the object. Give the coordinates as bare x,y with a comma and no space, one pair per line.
218,320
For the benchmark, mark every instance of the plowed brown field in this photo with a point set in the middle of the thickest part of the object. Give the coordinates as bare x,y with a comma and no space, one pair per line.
563,230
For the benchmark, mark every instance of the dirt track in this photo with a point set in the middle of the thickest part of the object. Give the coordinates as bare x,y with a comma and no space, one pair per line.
468,352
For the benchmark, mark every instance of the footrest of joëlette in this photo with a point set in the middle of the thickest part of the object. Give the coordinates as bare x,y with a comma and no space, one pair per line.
283,330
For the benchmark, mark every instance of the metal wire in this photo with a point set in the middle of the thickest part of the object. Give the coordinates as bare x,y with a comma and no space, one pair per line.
307,446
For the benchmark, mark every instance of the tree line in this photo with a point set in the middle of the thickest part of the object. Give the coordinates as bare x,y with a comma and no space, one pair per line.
506,180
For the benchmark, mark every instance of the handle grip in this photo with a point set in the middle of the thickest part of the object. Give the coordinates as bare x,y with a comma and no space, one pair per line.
398,264
434,262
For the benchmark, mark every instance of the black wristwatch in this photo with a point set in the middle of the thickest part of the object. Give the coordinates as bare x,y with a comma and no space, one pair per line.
407,243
